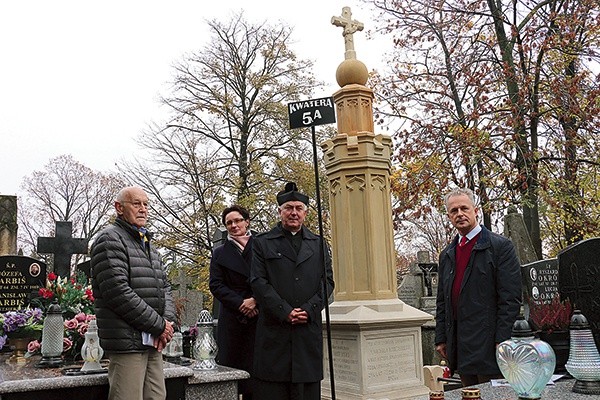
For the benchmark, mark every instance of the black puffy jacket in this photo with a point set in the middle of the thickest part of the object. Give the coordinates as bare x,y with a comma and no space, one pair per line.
131,291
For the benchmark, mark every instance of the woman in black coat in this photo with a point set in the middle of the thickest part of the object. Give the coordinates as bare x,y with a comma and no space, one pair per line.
229,273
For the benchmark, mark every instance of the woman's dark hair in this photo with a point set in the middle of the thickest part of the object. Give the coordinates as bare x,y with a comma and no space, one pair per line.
235,207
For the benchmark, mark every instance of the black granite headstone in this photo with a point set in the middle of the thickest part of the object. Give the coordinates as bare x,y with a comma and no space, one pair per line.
86,268
63,246
579,280
540,281
20,277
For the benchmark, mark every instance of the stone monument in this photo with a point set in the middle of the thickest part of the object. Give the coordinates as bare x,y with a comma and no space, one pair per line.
516,231
8,225
376,338
579,280
192,299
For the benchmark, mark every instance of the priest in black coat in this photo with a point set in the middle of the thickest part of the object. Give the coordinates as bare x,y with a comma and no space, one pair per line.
287,280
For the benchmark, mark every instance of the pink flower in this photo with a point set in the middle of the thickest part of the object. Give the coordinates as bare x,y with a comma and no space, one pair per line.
71,324
89,317
82,329
80,317
33,346
67,344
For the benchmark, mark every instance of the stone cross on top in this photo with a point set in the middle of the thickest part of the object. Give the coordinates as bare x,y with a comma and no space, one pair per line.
350,26
63,246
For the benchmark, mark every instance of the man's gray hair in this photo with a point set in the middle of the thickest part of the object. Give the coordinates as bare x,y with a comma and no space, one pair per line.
124,193
460,192
281,206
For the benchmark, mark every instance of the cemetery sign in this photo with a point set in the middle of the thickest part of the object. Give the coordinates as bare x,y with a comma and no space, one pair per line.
307,113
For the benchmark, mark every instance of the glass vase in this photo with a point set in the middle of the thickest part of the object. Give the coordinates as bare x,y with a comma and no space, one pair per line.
526,363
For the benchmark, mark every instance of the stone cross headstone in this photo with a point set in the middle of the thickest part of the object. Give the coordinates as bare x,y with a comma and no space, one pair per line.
20,277
579,280
192,299
63,245
350,27
540,281
219,237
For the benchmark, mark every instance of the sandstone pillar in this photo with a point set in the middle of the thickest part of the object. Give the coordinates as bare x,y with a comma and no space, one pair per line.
376,338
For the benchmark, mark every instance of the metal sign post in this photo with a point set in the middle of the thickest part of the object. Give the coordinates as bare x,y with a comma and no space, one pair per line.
303,114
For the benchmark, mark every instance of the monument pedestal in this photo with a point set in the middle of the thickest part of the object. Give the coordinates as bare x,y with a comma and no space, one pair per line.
376,338
376,347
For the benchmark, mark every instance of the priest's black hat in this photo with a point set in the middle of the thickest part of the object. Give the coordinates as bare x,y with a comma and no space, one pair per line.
291,193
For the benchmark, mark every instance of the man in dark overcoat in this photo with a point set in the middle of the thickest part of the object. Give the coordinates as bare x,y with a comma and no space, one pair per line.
479,293
287,280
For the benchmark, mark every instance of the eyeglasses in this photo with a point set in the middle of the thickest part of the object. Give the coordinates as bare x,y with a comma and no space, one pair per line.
137,204
234,221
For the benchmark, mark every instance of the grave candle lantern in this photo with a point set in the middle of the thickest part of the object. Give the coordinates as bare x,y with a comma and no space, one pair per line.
91,352
205,346
174,350
584,361
52,337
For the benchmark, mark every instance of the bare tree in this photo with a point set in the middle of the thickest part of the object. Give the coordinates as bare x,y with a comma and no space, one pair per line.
65,190
226,136
233,94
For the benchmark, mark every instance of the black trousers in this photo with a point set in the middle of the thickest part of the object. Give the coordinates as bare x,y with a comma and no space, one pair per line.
265,390
472,380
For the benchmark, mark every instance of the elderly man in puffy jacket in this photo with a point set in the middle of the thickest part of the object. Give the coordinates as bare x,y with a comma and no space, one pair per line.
134,307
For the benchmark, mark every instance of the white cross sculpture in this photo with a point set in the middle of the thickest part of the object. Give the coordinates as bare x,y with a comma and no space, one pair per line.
350,26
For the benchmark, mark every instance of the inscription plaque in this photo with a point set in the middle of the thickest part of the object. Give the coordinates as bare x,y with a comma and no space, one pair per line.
20,277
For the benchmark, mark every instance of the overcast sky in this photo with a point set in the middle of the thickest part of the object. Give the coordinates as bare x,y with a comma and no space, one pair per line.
84,78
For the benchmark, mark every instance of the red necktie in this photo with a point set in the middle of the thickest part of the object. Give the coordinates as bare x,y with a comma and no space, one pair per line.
463,241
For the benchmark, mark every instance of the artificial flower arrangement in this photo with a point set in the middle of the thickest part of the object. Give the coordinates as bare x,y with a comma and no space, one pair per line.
551,317
74,295
26,323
